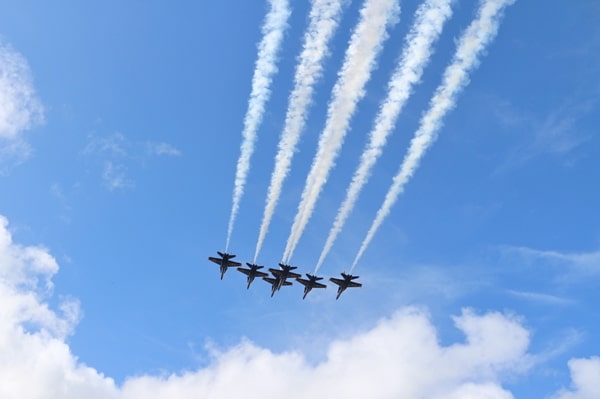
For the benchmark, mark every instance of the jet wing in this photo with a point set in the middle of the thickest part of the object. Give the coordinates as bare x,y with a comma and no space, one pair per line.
215,260
245,271
269,280
287,283
229,263
260,274
337,281
353,284
278,272
302,281
307,282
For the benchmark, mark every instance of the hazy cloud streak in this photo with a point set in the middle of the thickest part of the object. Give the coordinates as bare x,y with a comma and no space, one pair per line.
429,21
583,263
20,109
365,44
324,20
273,30
472,43
19,105
162,149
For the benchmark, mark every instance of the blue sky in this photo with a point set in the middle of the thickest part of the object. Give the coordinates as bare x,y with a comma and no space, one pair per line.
121,126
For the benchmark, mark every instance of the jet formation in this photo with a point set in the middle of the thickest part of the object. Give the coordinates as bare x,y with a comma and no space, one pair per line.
279,277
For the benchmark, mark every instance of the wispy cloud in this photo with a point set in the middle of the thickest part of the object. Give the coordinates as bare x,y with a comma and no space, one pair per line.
115,176
324,19
430,18
558,345
541,298
470,46
116,152
583,263
558,133
115,145
12,153
162,149
366,42
20,108
63,201
273,30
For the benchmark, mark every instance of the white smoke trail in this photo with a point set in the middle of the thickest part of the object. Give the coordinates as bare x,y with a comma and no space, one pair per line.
273,29
472,43
324,20
366,42
429,21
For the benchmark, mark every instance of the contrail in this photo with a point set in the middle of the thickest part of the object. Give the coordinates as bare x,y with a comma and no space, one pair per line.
472,43
324,20
429,21
273,29
366,42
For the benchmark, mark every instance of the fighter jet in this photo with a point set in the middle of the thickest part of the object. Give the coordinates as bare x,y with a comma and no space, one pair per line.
345,283
311,283
252,272
224,262
281,275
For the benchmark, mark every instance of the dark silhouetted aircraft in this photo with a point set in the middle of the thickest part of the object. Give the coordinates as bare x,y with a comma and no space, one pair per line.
252,272
311,283
345,283
281,275
224,262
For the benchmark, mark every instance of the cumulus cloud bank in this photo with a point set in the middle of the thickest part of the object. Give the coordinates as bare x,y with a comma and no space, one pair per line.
35,361
400,357
585,375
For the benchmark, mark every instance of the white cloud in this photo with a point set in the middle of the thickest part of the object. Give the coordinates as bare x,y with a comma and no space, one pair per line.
117,152
542,298
114,145
115,176
162,148
585,376
585,263
35,361
13,153
20,108
560,132
478,391
400,357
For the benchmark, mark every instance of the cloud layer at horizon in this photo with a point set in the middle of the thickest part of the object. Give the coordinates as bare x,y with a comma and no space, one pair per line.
401,356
